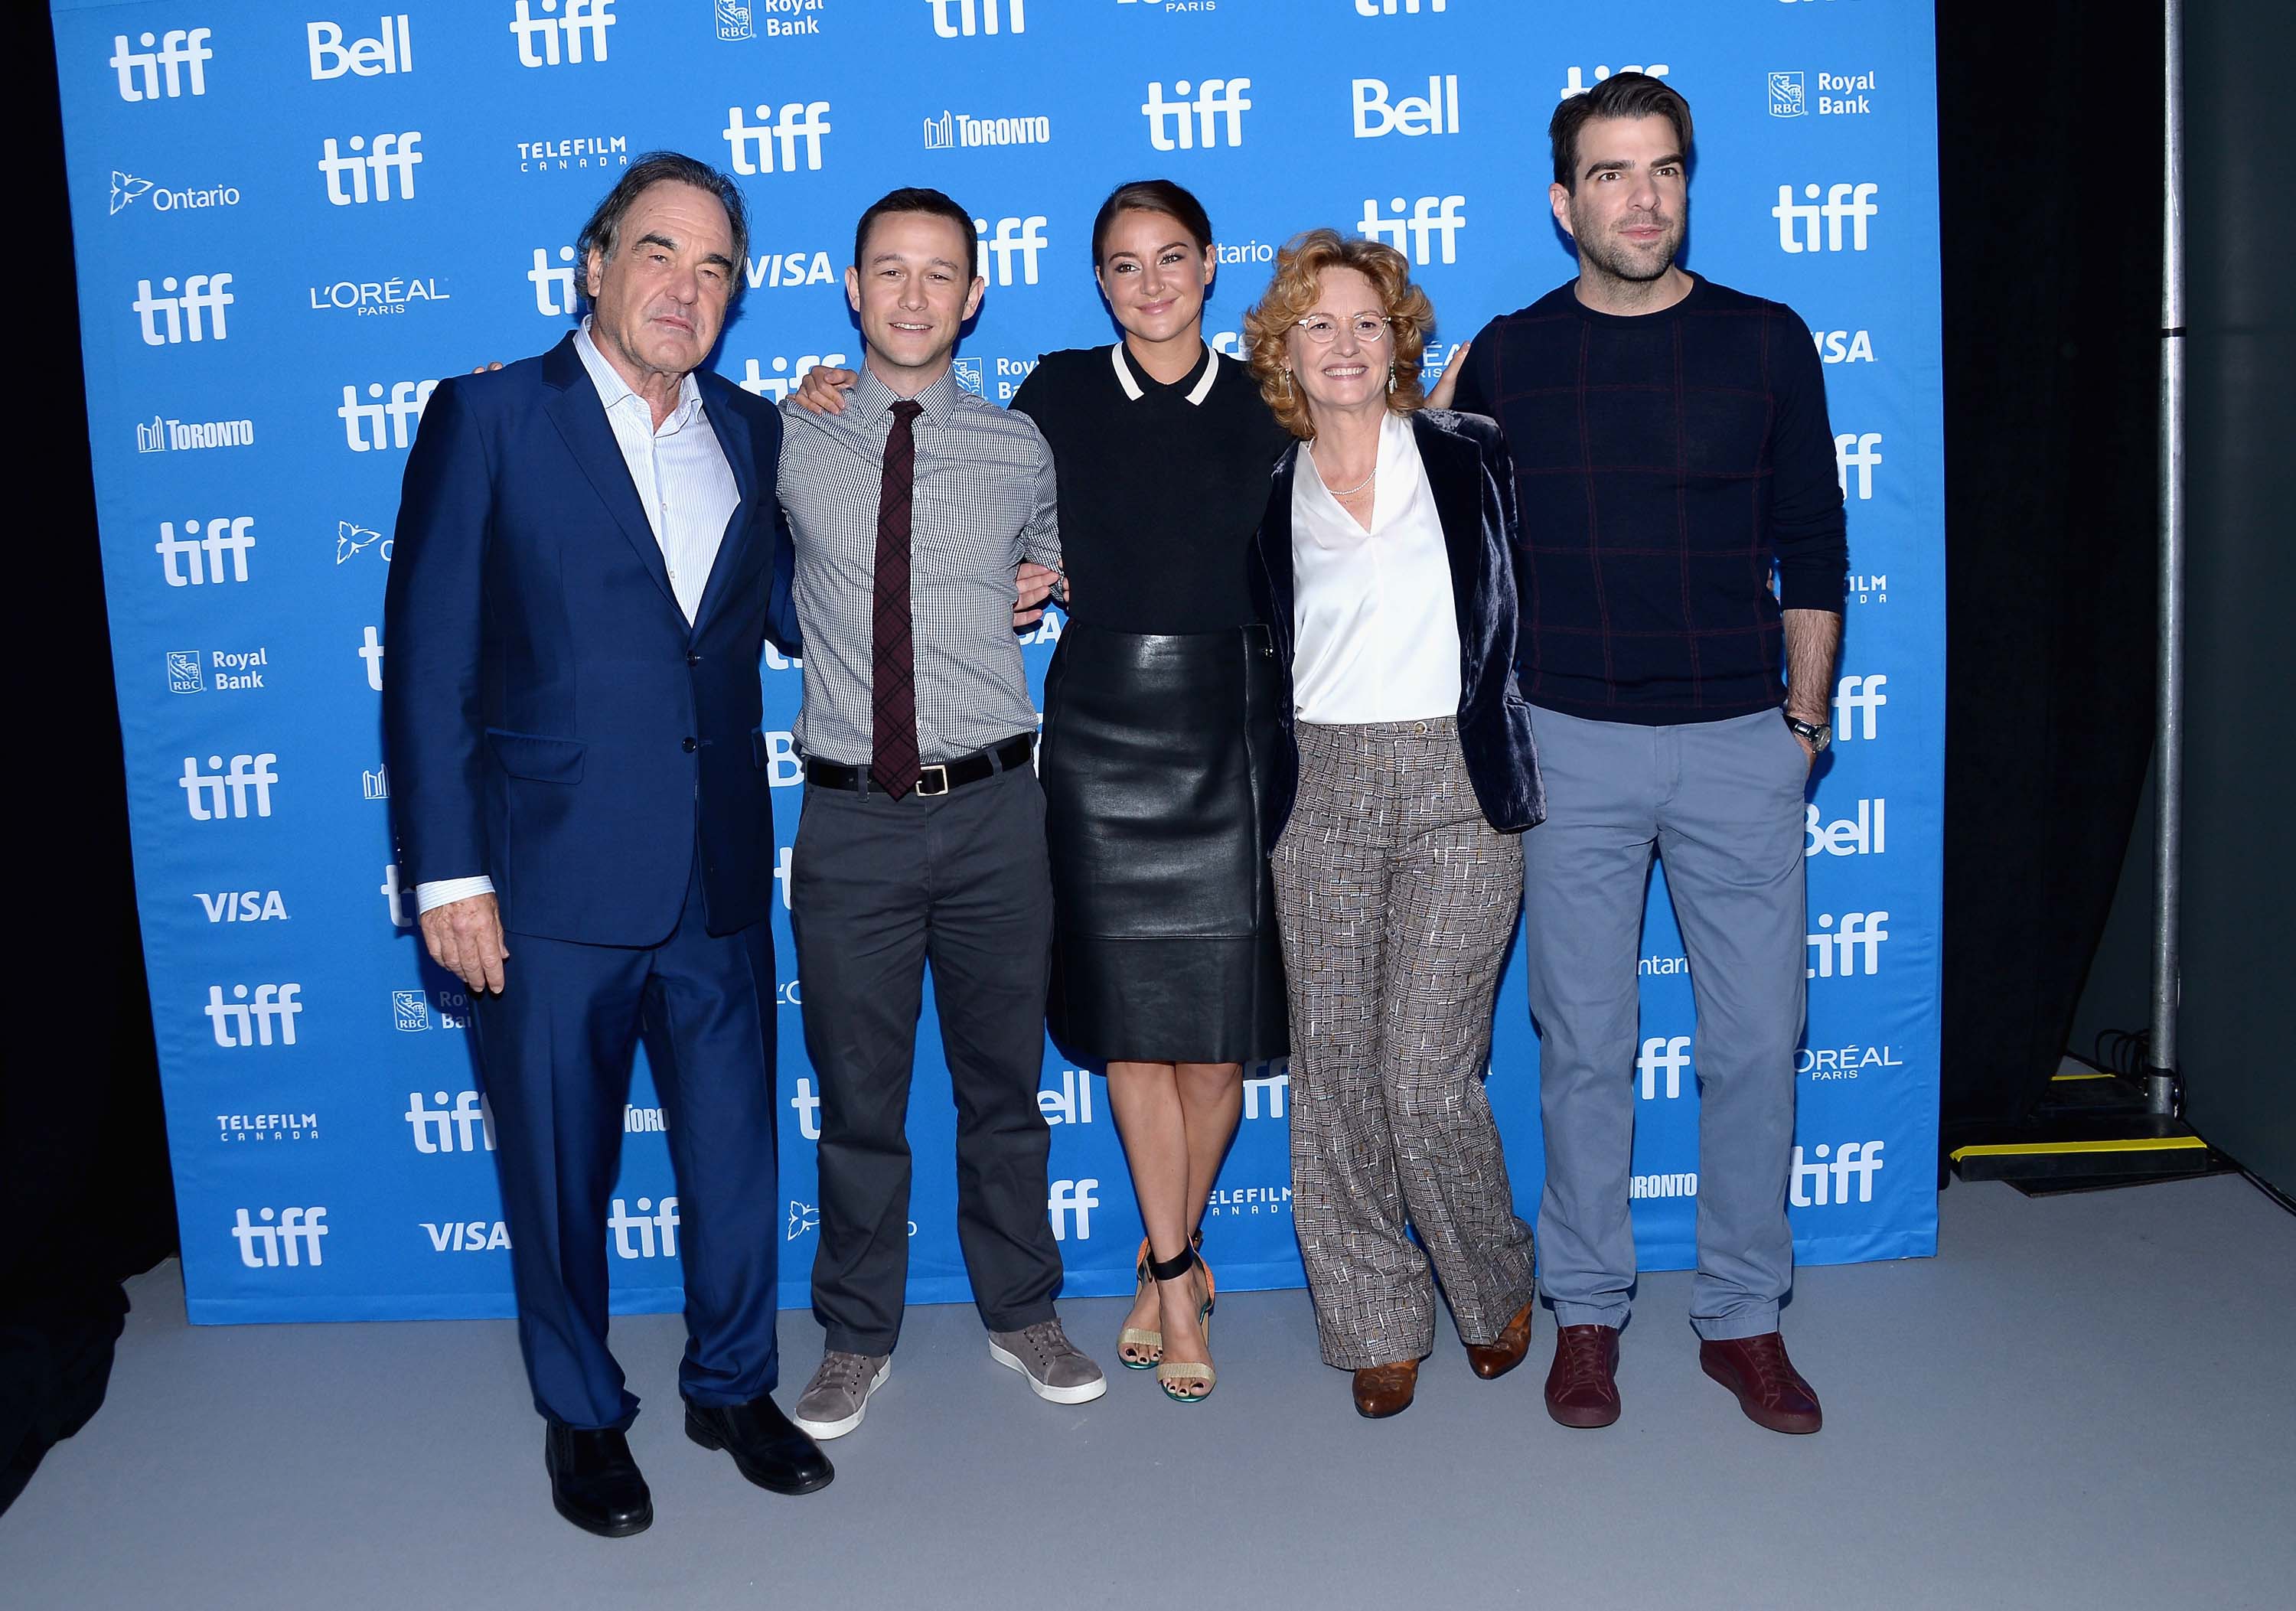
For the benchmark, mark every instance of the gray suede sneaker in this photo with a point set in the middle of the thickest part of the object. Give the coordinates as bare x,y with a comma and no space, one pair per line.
1056,1370
834,1402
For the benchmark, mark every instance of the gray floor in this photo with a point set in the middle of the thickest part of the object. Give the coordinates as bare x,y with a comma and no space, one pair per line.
2085,1401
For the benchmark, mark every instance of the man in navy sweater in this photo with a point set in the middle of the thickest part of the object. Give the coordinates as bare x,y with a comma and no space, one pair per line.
1671,454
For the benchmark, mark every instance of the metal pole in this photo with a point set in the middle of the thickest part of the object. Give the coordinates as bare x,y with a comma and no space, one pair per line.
2168,741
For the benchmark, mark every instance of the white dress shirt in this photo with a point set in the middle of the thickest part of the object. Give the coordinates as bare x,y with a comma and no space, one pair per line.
1376,628
689,494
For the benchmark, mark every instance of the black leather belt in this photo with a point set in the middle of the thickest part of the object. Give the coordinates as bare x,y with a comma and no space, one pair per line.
935,780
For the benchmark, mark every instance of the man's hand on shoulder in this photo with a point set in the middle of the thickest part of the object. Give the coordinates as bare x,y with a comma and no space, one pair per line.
823,390
465,938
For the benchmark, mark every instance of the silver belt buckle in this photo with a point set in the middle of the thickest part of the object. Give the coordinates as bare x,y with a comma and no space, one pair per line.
924,777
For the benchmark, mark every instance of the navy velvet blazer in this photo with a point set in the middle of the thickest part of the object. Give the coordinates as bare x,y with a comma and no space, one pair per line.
552,720
1473,484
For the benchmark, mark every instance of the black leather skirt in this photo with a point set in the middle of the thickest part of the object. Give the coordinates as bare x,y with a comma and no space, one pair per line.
1154,763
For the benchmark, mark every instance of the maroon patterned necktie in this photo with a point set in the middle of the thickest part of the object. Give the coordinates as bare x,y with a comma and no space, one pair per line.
893,764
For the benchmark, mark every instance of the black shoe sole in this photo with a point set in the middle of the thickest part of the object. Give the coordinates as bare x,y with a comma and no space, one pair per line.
710,1441
636,1524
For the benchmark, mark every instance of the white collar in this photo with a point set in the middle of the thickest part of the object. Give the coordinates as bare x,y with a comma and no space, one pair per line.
612,388
1196,394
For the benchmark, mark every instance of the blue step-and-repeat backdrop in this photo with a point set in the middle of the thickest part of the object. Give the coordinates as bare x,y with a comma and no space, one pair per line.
290,219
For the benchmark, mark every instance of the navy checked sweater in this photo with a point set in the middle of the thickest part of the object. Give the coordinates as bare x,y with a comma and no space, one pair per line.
1666,464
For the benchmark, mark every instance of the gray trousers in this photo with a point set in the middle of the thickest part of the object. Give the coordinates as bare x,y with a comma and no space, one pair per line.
1720,803
878,888
1396,900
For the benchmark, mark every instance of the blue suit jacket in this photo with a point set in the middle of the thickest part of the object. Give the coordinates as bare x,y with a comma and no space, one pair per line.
1473,484
551,719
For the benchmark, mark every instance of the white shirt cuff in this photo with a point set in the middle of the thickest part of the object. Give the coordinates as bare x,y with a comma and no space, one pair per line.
438,892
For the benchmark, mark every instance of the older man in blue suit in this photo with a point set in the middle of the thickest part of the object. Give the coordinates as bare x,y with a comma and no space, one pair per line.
590,556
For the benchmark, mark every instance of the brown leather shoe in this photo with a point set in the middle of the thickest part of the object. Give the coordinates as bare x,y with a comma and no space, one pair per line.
1493,1359
1386,1390
1769,1389
1582,1384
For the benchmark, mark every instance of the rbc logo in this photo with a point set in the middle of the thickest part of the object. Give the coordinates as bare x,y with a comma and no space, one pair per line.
1798,222
184,316
752,145
961,19
1859,451
179,49
1078,1198
650,1223
391,51
1856,945
1437,113
1856,699
1786,98
249,1020
464,1127
1022,236
297,1235
1443,215
205,792
552,38
553,288
1827,1181
392,154
1667,1055
363,423
1197,122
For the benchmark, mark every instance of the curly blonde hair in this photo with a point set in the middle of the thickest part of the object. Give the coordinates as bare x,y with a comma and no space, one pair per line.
1299,270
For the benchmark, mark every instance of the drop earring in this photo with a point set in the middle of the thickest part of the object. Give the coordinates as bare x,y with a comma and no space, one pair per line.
1390,374
1287,385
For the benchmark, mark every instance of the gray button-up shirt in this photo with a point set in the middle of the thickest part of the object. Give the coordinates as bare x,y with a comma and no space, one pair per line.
986,499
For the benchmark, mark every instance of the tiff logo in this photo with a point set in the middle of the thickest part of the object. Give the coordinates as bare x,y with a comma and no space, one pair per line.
371,651
1663,1055
295,1235
785,376
553,288
1856,699
394,896
1022,237
391,51
1443,215
392,154
1860,451
552,38
1798,222
1388,8
649,1222
186,316
1078,1198
1196,122
962,19
465,1127
228,535
364,427
268,1013
1825,1180
1574,84
179,48
753,143
809,1110
1856,945
1437,113
205,792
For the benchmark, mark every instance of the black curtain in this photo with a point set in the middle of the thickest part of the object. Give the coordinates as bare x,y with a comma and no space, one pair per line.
84,1183
2050,171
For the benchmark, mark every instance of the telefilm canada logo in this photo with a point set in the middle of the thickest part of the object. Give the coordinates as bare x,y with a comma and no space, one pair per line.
234,1128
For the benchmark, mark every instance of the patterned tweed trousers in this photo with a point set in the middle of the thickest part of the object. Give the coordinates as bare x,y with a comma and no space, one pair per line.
1396,900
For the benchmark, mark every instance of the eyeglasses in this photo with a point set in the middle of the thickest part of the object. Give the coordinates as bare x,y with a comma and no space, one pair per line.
1370,329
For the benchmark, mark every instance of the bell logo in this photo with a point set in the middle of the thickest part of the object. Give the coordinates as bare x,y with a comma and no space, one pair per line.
391,51
962,19
753,145
1078,1198
553,38
1666,1055
1854,948
1437,113
296,1235
392,154
1072,1102
249,1019
181,57
553,288
372,427
185,315
217,794
1855,700
1430,216
1574,84
465,1127
1863,834
649,1224
1022,237
1822,1180
1198,121
1798,222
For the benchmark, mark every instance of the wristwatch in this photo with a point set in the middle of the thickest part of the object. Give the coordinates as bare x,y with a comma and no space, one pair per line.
1815,735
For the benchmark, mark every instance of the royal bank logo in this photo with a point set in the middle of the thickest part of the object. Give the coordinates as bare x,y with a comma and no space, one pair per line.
952,130
234,668
392,50
351,539
184,671
969,375
734,22
231,1128
189,435
172,64
1786,99
964,19
560,33
411,1011
290,1235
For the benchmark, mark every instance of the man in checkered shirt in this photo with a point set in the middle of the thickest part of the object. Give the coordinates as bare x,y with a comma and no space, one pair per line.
923,835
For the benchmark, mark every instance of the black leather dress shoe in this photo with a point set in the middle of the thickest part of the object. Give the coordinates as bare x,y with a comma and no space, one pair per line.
767,1448
593,1482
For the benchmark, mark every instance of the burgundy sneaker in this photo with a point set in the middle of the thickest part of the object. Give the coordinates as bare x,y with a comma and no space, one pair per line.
1769,1389
1582,1384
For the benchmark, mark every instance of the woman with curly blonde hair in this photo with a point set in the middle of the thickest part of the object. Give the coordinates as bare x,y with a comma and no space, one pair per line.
1383,567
